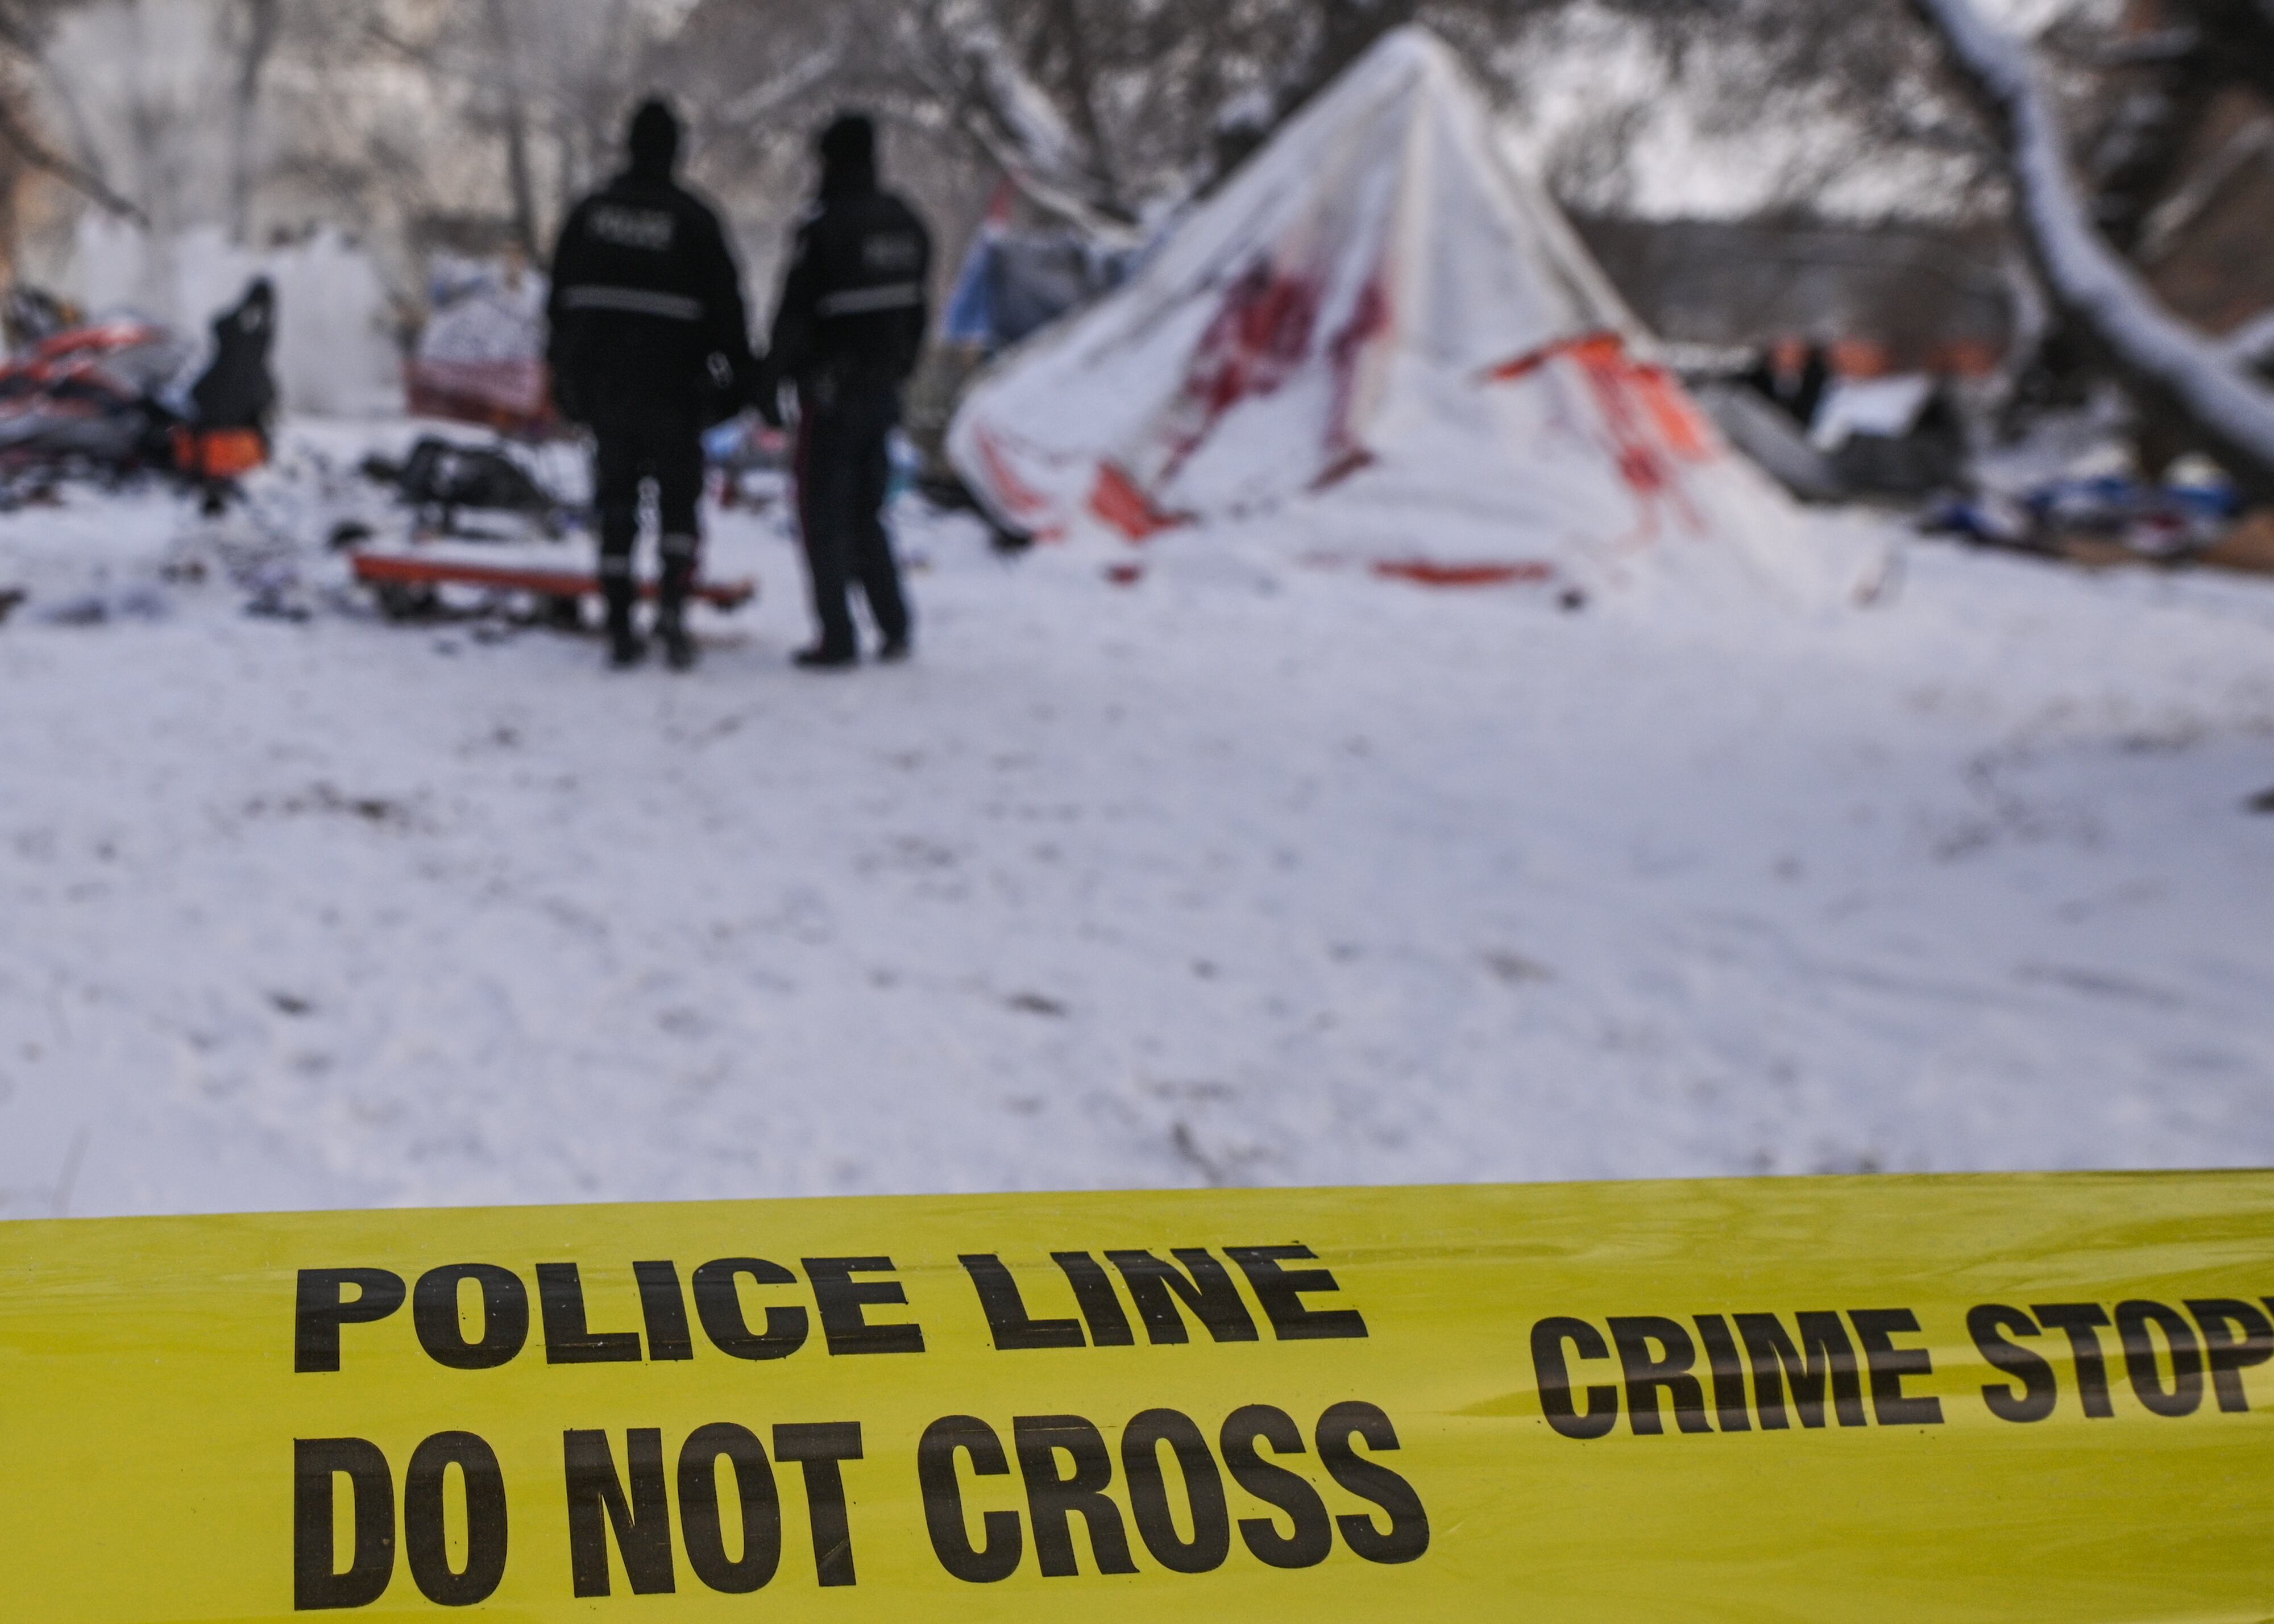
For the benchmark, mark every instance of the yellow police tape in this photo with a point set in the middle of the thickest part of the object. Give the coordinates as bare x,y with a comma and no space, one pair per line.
1996,1398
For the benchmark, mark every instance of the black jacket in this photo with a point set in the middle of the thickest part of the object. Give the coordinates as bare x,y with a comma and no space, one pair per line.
857,297
645,292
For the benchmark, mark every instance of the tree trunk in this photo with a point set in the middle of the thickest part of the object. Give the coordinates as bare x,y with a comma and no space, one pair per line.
1065,19
16,135
263,19
518,175
1347,29
2172,371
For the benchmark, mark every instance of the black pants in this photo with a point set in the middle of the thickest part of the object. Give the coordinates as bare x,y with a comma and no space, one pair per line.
668,449
844,469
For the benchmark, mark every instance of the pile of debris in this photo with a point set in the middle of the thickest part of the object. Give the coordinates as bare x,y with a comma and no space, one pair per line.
477,531
481,357
2106,515
89,401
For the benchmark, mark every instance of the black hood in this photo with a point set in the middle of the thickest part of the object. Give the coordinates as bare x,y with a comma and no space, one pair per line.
653,142
848,157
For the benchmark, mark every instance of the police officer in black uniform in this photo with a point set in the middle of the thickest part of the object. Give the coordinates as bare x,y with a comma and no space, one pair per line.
848,333
650,344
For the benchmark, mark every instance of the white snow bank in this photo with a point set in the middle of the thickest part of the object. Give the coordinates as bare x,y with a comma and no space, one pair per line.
334,346
1253,872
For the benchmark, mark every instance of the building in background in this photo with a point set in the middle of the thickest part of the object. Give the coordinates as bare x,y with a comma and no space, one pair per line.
1881,299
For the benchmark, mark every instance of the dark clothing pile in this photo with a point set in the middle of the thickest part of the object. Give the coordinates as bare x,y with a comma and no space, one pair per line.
443,475
1800,391
238,390
848,333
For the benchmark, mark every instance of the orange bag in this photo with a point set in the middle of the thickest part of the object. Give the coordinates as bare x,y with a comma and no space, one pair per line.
218,454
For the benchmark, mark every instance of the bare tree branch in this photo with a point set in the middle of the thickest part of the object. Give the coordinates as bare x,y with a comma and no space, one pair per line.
521,181
2168,364
264,21
36,152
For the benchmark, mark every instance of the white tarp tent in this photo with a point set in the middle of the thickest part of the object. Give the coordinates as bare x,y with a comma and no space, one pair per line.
1383,322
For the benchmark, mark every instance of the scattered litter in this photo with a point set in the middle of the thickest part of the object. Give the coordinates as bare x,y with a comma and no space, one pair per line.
440,477
1515,968
327,799
2102,518
11,598
279,603
100,608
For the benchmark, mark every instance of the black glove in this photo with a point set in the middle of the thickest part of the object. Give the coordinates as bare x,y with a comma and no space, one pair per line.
567,399
722,392
766,395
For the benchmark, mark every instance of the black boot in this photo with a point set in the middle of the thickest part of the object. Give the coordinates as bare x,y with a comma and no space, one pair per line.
671,604
679,650
825,656
626,647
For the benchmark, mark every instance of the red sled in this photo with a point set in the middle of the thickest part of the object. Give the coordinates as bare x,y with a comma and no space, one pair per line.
398,573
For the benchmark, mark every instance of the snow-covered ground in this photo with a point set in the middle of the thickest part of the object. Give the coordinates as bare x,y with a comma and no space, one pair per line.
1254,871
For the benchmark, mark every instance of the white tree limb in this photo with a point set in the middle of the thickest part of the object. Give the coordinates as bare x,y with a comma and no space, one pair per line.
769,96
2181,369
2251,344
972,68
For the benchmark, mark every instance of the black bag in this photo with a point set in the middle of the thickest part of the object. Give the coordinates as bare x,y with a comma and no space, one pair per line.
439,474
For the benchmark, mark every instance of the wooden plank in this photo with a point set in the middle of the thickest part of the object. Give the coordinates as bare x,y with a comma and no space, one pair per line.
398,570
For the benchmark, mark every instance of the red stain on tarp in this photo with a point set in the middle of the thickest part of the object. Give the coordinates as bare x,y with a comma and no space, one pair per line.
1259,336
1355,460
1680,424
1649,419
1263,334
1116,500
1428,572
1022,500
1124,575
1369,319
